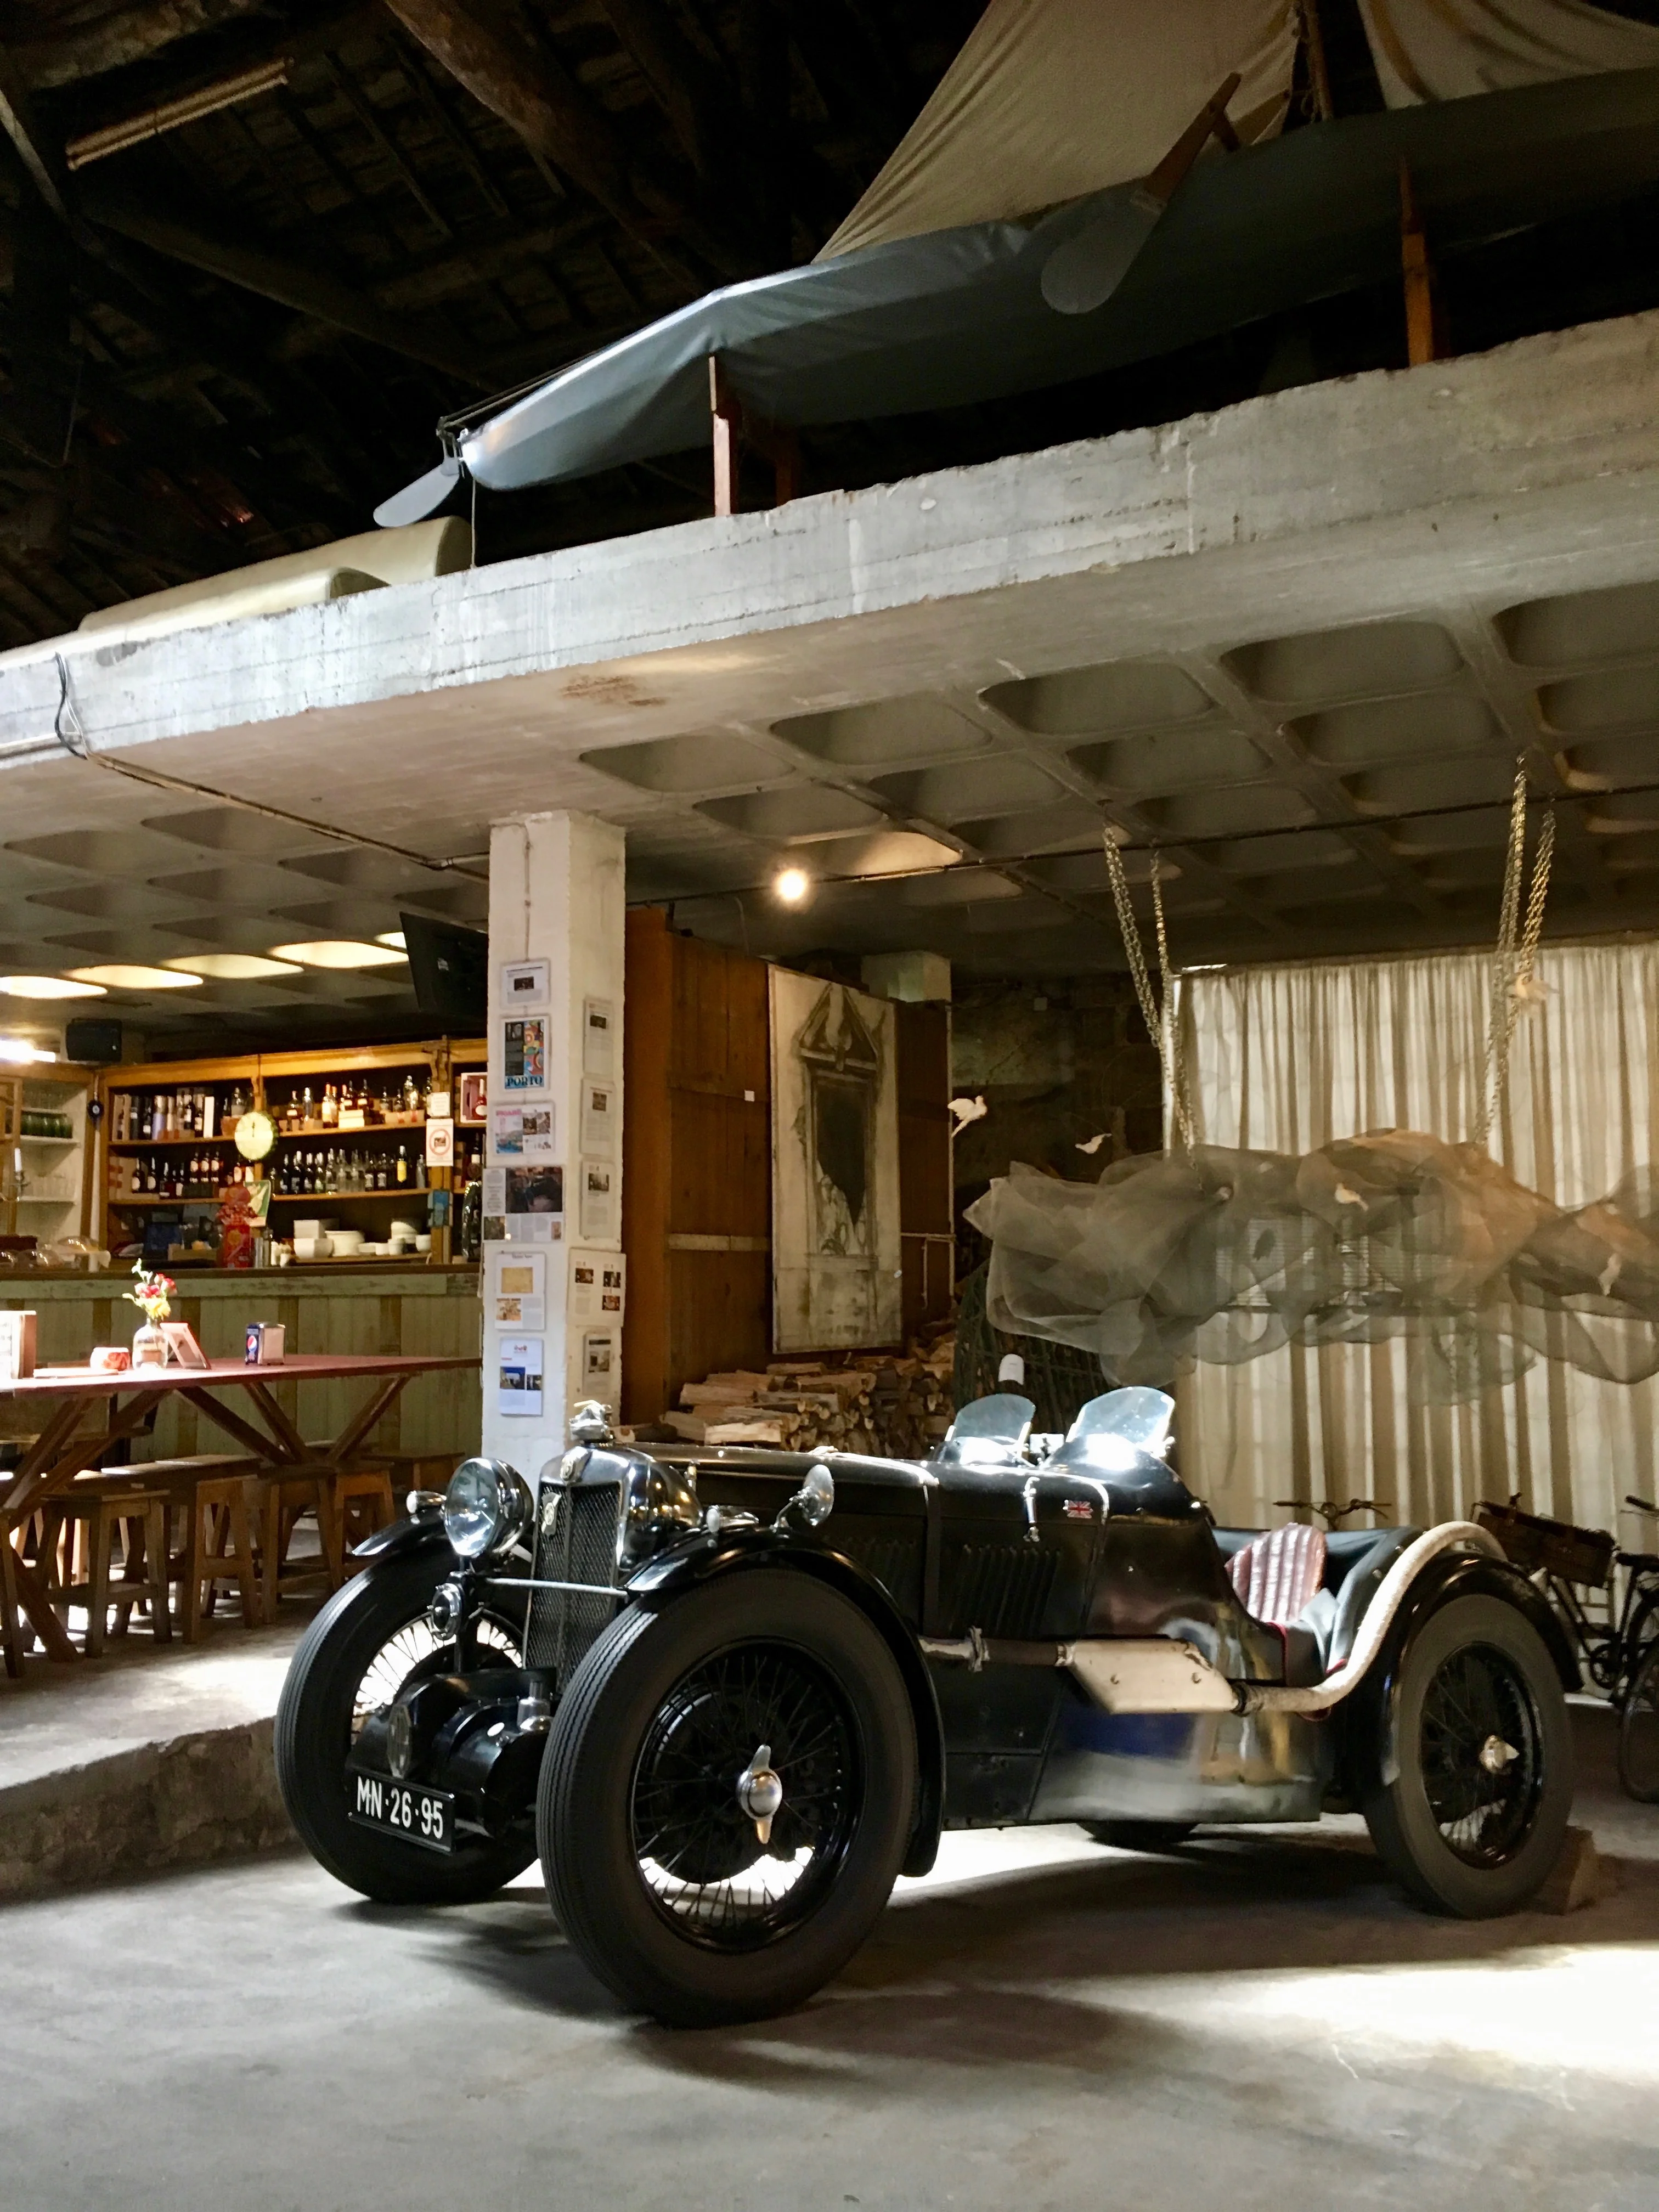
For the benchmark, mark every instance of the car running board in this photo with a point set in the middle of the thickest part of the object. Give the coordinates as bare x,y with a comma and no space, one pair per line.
1159,1674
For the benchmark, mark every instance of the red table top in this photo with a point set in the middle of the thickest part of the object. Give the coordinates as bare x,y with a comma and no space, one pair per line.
300,1367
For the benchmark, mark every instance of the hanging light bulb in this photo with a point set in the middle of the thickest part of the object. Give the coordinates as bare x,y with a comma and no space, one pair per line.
791,885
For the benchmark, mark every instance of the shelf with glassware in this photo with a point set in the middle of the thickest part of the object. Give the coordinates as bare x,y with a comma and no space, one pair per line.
43,1139
347,1128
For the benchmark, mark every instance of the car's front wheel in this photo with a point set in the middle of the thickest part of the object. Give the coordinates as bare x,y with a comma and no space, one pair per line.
727,1796
371,1641
1469,1782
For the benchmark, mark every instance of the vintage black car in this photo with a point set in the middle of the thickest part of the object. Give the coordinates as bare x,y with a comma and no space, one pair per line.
728,1696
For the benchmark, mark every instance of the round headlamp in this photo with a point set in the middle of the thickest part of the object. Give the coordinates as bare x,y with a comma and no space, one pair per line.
487,1508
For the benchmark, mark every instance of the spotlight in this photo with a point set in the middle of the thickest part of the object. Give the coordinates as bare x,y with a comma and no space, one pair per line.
791,885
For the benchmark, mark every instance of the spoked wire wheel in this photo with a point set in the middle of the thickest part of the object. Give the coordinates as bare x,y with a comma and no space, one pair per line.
412,1652
370,1641
1639,1733
1482,1765
703,1859
728,1794
1470,1811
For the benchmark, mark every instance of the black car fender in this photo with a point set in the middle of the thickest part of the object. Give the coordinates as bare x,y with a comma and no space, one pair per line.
1371,1715
400,1540
738,1551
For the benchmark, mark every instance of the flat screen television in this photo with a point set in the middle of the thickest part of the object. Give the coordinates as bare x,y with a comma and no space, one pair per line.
450,970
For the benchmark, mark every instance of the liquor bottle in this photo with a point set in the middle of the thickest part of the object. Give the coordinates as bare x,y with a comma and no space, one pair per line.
411,1095
307,1108
151,1180
402,1164
329,1109
381,1178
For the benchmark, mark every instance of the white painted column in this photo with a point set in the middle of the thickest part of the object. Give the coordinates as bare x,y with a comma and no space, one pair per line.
552,1279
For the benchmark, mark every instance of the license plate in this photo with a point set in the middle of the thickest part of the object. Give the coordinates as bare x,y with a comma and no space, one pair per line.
408,1809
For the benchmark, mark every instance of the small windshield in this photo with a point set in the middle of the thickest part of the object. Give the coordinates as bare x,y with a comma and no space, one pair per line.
990,1432
1139,1417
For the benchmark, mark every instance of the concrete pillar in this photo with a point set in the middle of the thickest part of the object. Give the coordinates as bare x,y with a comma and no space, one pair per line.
553,1284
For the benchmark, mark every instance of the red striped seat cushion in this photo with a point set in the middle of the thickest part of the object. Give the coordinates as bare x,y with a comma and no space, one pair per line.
1276,1574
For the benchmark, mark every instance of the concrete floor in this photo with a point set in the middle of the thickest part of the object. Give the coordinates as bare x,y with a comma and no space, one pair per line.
1262,2023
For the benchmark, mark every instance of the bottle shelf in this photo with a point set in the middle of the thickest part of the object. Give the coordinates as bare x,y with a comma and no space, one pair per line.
391,1190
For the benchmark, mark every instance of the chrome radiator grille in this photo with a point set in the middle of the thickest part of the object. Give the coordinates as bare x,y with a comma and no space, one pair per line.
575,1542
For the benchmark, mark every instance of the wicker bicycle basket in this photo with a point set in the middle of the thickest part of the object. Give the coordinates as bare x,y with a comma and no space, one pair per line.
1556,1548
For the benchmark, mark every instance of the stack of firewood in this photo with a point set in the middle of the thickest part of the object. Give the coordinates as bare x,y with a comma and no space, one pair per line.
872,1402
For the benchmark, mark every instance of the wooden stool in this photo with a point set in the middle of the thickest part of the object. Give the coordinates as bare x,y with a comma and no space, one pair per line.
361,1502
11,1642
283,1500
207,1492
85,1518
218,1547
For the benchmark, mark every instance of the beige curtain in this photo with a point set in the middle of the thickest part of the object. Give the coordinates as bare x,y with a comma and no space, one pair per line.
1286,1057
1448,49
1051,99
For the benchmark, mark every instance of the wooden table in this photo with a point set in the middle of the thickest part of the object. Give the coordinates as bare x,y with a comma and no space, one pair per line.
64,1448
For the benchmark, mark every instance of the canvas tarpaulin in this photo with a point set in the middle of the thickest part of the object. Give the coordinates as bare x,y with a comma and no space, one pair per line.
1452,49
959,315
1052,99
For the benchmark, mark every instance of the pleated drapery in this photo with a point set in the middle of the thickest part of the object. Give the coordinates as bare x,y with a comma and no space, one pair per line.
1288,1058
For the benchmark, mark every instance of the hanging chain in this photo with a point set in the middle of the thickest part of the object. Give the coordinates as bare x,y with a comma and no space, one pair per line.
1161,1025
1514,957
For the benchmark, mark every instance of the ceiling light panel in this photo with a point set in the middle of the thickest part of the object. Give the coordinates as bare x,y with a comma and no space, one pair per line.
47,986
338,952
128,975
231,967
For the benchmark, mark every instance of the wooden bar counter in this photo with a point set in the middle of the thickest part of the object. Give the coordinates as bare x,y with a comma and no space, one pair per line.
337,1307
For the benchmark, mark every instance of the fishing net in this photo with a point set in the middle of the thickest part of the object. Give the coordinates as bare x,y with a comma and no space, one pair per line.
1059,1378
1224,1254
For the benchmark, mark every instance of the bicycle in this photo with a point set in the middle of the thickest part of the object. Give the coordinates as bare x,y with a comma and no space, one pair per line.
1622,1653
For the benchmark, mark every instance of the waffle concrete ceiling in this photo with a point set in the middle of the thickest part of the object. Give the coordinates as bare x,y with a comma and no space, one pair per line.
1307,688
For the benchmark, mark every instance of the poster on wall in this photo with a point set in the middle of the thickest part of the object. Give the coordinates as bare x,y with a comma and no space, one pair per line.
598,1037
599,1118
525,983
439,1143
598,1363
597,1216
474,1095
519,1379
533,1205
836,1254
598,1286
523,1053
522,1133
518,1288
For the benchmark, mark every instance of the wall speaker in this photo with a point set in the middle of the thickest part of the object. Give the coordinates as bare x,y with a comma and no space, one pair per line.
93,1045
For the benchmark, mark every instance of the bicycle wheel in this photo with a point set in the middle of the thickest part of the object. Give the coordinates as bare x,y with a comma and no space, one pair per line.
1638,1734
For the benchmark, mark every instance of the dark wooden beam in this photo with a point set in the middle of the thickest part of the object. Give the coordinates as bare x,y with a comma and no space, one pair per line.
306,291
693,93
529,87
115,40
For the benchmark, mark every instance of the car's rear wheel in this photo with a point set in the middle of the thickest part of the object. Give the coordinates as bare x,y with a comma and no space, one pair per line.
370,1641
1140,1835
1471,1811
671,1871
1638,1734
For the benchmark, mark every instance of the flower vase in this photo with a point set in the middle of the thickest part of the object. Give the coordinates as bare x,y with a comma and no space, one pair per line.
149,1346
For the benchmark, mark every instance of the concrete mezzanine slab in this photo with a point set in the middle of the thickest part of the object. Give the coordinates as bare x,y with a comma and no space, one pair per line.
1441,498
